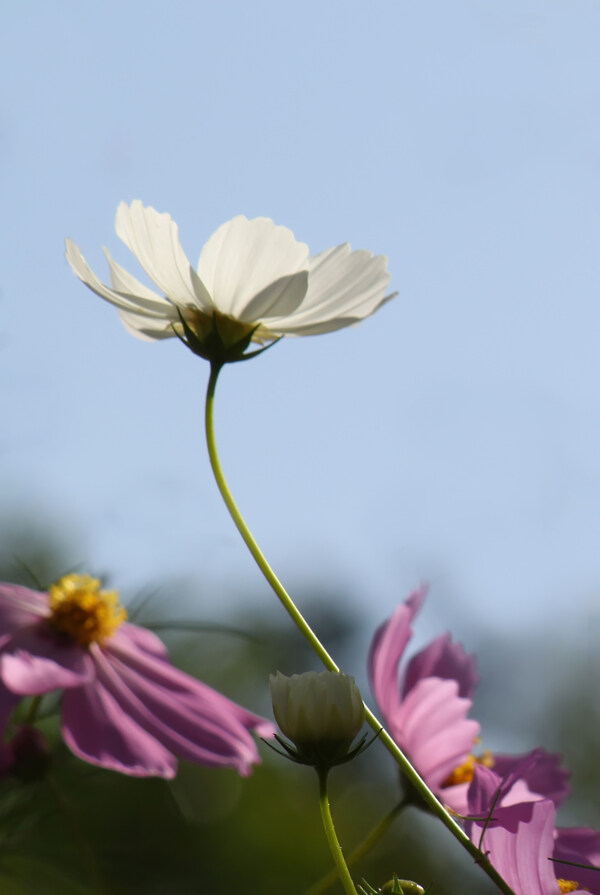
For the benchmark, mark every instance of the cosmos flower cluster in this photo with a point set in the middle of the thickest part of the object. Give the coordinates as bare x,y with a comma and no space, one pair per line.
124,706
508,803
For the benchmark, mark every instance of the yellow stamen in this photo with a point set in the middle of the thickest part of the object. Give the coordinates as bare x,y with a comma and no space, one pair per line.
465,771
568,885
83,612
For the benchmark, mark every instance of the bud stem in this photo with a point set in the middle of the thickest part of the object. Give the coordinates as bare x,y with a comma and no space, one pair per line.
334,845
360,851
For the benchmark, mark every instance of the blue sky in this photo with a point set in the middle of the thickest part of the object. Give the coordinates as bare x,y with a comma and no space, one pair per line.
454,436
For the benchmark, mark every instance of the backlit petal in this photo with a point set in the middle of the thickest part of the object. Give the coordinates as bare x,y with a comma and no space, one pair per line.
126,285
281,297
154,240
519,844
544,774
434,729
81,268
150,329
342,285
243,257
387,649
445,659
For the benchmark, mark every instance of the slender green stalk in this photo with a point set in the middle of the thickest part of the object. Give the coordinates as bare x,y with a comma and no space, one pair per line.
246,534
406,767
33,709
360,851
334,845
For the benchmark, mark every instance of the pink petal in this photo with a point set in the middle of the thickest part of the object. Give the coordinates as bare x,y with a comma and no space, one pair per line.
141,638
578,840
387,649
34,661
189,690
96,729
521,855
545,775
456,798
20,607
580,845
433,729
186,716
442,658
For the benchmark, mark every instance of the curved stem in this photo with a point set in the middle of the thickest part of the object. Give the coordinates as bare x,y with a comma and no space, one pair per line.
406,767
246,534
334,845
360,851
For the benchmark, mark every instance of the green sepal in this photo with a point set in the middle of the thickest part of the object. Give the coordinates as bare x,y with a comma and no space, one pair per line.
293,754
212,347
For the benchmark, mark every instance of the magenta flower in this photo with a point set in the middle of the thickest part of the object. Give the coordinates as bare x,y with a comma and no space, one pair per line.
426,713
124,706
578,845
520,840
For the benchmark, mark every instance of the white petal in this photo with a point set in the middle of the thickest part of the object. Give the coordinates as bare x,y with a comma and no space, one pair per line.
278,299
154,240
343,288
80,267
243,257
344,283
149,329
126,284
292,328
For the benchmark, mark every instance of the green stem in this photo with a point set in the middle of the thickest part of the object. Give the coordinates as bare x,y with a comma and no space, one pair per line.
406,767
334,845
33,710
360,851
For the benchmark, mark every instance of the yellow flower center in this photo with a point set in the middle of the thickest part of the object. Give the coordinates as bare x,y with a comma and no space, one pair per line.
83,612
568,885
464,772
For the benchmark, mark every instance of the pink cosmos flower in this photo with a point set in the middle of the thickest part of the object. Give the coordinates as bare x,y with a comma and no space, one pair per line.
578,845
124,706
426,714
521,842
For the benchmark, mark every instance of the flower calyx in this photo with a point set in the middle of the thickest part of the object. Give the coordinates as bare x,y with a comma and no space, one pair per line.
321,713
217,337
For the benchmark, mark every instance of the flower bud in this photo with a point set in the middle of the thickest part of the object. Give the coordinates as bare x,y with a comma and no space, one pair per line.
321,713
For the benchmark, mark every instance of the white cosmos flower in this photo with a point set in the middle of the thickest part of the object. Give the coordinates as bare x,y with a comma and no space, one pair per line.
254,282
